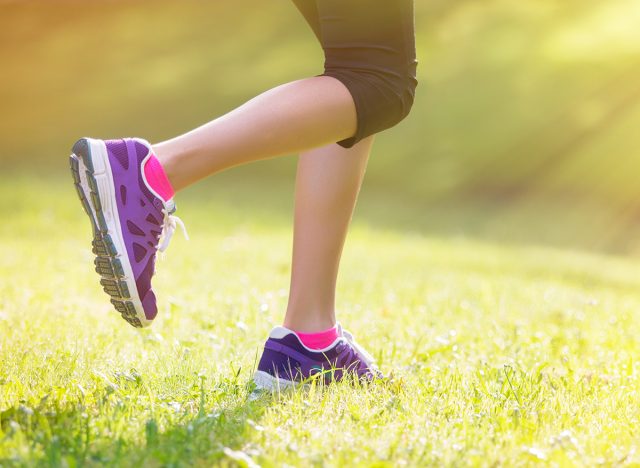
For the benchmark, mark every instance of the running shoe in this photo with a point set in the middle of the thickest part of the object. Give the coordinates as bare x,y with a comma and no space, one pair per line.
287,362
130,221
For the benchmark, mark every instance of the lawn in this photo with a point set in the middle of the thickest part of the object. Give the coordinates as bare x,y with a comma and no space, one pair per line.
503,353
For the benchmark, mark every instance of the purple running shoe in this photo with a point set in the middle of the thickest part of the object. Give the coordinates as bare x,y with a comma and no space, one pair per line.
130,221
287,362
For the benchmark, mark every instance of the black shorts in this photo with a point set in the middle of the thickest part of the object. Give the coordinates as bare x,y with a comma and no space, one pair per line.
369,45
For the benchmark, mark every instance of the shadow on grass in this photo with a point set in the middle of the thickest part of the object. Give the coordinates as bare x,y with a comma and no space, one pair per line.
244,195
76,436
565,221
205,438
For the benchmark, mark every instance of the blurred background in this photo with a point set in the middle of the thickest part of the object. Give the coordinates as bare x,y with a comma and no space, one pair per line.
526,127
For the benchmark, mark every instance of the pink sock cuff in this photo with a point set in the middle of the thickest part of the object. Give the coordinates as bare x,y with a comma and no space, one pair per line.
157,178
318,340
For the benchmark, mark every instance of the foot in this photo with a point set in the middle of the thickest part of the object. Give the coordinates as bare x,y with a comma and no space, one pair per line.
130,221
286,361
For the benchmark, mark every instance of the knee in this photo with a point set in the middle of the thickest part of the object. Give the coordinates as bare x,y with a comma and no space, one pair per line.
403,90
383,97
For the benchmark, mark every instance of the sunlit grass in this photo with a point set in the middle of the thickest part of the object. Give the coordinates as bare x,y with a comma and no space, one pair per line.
502,354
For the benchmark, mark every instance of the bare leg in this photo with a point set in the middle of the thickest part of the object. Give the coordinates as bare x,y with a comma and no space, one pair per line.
327,184
311,115
288,119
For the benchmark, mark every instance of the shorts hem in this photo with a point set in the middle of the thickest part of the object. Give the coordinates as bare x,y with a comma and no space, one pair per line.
360,133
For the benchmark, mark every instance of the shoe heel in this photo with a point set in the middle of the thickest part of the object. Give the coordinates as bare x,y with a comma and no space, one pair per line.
82,150
74,165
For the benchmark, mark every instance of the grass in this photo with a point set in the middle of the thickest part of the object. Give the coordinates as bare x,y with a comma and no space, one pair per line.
503,354
506,352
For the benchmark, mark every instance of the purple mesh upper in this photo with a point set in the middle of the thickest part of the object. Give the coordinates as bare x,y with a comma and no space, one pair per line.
140,214
118,151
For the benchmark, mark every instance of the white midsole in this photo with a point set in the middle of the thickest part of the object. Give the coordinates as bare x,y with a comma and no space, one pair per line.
266,381
107,194
84,185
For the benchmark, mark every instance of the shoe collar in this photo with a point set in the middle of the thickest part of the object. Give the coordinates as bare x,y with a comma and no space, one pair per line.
278,333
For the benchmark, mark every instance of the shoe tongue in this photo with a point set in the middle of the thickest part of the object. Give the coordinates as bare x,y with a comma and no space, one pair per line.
280,332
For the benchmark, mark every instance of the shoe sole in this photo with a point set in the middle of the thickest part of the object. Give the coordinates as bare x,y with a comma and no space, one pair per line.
93,181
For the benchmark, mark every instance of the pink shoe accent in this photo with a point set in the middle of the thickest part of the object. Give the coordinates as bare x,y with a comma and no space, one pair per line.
157,178
319,340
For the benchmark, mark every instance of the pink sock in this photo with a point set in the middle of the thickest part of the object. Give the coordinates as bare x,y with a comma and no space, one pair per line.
318,340
157,178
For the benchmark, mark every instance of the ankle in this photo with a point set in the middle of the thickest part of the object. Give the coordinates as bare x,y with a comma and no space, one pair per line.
312,324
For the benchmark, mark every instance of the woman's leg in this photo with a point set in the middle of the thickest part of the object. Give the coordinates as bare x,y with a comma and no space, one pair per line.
288,119
368,86
327,184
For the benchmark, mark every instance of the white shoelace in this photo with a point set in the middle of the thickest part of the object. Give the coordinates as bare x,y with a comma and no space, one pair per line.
369,360
169,228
